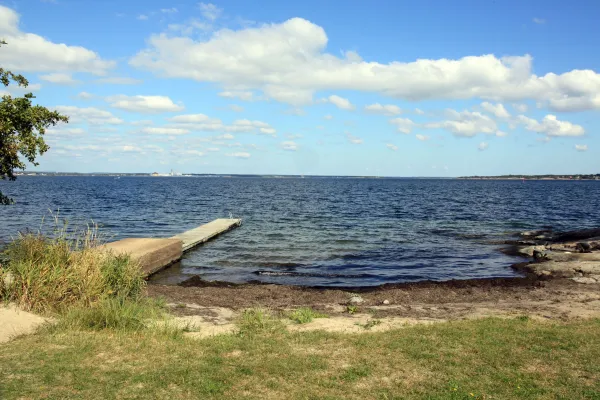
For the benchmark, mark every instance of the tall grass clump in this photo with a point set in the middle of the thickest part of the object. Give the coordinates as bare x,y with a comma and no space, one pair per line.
54,274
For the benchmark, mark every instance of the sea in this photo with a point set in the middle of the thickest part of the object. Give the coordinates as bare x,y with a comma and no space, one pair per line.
313,231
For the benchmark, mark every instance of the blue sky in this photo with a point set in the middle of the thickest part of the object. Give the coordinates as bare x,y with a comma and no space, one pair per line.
395,88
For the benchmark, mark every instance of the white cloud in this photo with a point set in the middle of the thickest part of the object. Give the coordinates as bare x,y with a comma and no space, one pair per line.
241,154
29,52
143,122
65,131
465,123
236,108
581,147
85,96
144,104
328,117
89,115
539,21
482,146
403,125
210,11
391,146
551,126
201,122
238,94
566,104
387,109
226,136
293,136
119,80
164,131
289,146
496,109
340,102
520,107
142,17
60,79
501,134
172,10
353,139
422,137
291,57
194,118
418,111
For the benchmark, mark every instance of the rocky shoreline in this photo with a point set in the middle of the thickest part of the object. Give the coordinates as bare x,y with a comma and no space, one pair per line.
574,255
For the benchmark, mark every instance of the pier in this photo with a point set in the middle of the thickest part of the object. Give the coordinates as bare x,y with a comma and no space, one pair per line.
154,254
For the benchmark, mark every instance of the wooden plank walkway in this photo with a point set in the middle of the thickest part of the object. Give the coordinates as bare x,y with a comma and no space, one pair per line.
204,233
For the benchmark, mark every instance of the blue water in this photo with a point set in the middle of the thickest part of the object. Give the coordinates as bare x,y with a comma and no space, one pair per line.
316,231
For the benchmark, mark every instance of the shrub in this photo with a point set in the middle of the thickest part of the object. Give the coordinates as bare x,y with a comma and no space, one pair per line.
258,320
55,274
305,315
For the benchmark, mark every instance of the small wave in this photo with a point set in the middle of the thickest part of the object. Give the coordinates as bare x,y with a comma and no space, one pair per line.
313,275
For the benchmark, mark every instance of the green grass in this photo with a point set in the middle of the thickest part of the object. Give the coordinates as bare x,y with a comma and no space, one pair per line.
69,278
305,315
490,358
51,275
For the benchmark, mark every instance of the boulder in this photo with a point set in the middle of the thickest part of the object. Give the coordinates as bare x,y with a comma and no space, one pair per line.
584,279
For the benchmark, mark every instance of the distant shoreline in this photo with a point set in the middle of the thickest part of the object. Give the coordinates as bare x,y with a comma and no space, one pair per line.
575,177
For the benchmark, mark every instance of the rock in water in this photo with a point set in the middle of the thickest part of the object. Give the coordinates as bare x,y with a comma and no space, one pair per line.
539,255
583,247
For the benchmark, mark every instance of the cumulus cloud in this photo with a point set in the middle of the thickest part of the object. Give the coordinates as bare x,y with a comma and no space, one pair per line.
328,117
581,147
291,57
340,102
387,109
353,139
65,132
30,52
142,17
465,123
497,110
289,146
520,107
482,146
403,125
118,80
422,137
391,146
418,111
240,154
85,96
551,126
210,11
60,79
89,115
201,122
164,131
244,95
144,104
236,108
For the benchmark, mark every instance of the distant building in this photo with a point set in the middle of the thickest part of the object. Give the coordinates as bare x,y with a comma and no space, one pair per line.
155,174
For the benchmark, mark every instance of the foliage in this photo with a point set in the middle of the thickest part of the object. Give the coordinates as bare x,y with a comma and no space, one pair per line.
258,321
22,126
305,315
52,275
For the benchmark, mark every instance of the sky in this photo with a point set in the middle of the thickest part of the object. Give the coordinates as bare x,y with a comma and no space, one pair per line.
386,88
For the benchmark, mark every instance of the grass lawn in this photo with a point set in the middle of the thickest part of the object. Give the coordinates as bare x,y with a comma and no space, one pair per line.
491,359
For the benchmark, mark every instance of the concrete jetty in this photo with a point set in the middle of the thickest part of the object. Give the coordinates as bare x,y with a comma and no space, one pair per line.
206,232
154,254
